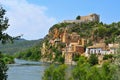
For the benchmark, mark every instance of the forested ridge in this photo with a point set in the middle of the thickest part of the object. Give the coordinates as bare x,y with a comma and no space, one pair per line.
18,46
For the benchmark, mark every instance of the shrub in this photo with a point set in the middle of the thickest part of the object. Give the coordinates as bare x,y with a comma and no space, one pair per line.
93,59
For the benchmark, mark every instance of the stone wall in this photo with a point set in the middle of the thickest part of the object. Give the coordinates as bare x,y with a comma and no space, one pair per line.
88,18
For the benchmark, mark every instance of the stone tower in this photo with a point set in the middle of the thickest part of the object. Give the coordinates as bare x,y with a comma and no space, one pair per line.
65,36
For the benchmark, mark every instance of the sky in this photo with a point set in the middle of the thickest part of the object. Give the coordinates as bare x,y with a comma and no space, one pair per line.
33,18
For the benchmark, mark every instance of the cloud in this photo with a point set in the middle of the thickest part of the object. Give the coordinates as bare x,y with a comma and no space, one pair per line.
27,19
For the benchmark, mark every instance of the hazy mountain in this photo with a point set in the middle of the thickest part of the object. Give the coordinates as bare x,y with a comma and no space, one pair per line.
18,46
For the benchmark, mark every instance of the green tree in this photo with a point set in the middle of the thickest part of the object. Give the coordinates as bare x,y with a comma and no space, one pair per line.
117,60
4,37
78,17
94,74
55,73
93,59
81,69
108,71
3,70
107,56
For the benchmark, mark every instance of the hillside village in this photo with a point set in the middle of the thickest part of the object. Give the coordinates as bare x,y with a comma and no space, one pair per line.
75,38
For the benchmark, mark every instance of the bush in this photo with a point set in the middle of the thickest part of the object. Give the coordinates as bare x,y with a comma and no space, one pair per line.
93,59
107,56
78,18
61,59
76,57
55,73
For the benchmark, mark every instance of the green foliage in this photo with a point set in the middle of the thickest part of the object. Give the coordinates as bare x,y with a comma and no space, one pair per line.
8,59
58,55
30,54
76,57
80,71
4,37
108,71
61,59
3,70
78,18
97,30
84,71
82,60
100,32
94,74
55,73
58,26
93,59
107,56
18,46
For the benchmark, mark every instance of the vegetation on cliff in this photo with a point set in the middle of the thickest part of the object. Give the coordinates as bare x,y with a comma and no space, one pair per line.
93,32
97,30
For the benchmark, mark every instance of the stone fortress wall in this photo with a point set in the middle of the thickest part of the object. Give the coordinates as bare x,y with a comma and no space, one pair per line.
92,17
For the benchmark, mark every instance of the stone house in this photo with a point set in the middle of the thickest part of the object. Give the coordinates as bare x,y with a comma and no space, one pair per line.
74,45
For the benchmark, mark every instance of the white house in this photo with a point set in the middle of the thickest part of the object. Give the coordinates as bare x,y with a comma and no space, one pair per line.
99,48
113,48
102,49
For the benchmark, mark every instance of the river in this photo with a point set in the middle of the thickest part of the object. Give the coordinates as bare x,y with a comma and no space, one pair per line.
26,70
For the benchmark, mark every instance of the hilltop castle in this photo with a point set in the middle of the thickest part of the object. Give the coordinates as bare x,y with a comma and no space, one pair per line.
89,18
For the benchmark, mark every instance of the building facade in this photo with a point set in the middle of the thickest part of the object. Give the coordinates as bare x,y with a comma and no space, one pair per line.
74,45
102,49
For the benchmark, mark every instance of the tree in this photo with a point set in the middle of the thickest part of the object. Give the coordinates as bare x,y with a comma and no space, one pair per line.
4,37
55,73
117,60
93,59
3,69
81,69
78,18
108,71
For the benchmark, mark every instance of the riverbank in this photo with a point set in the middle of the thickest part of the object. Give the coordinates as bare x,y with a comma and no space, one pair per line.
8,59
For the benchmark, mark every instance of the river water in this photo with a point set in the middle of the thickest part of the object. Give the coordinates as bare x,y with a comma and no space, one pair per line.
26,70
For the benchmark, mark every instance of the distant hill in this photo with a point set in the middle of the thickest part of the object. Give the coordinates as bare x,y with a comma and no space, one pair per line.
18,46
